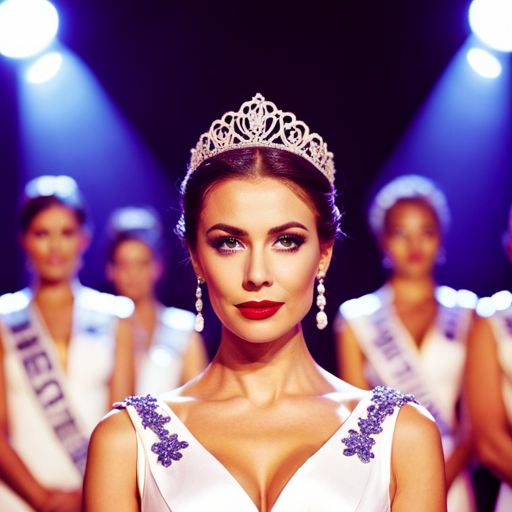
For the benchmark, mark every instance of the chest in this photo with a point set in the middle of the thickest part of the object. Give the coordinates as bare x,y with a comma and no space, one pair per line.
263,449
417,319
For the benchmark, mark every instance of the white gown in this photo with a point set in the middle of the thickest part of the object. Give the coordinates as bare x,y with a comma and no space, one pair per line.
434,372
162,366
501,324
175,472
85,383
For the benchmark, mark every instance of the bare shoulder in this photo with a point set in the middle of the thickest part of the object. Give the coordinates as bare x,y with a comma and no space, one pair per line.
414,425
115,432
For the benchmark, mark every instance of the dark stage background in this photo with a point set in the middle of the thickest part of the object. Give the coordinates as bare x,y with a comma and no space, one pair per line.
147,78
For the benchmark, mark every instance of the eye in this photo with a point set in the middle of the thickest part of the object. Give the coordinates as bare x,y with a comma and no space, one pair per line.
40,233
290,242
226,244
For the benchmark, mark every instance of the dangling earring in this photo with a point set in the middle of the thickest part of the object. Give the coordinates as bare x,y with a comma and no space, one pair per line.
441,256
387,262
199,323
321,317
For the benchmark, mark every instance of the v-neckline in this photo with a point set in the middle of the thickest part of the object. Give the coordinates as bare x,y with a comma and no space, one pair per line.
335,435
387,299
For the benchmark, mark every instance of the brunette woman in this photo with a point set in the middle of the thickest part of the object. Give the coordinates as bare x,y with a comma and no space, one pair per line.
65,356
411,333
489,385
169,352
264,428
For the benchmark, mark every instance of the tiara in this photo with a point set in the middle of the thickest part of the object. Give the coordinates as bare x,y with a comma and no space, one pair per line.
261,123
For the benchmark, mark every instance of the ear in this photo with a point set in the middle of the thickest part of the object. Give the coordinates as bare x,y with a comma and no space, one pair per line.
325,257
85,240
196,264
109,272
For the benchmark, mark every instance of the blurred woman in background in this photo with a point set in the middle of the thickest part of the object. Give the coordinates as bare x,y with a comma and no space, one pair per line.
489,385
65,356
169,352
411,333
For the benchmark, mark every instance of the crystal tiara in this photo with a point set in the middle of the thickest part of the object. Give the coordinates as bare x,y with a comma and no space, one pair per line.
261,123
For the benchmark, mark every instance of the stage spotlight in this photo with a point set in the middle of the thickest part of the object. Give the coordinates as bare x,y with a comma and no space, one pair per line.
26,26
484,63
491,21
44,68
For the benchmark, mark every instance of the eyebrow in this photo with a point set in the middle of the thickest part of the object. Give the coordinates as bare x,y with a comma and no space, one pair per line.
232,230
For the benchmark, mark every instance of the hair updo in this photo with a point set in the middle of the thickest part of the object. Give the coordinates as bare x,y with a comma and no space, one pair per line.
141,224
301,176
47,191
410,187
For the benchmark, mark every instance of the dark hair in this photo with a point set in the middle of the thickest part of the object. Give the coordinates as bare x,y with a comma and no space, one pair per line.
141,224
250,162
47,191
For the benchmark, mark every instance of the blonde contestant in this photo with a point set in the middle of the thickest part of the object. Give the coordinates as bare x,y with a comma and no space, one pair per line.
264,428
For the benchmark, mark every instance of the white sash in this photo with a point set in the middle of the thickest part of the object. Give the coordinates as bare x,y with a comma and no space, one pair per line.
391,351
47,384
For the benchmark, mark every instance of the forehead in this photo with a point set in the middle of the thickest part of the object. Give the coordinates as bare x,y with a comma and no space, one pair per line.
132,249
55,215
411,211
261,201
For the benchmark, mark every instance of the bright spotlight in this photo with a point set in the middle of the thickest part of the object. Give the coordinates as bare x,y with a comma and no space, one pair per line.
484,63
491,21
44,68
26,26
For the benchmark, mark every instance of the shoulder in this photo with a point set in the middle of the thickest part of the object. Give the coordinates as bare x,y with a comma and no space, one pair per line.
114,434
452,298
496,304
180,319
13,302
362,306
104,303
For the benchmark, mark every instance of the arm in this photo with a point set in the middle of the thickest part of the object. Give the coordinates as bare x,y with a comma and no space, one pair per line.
110,483
195,358
17,476
122,383
351,359
417,465
491,432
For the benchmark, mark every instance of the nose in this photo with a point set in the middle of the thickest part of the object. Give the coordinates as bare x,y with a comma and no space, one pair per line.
257,273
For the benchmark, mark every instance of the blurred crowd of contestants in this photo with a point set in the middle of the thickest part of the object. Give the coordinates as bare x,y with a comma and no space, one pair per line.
68,352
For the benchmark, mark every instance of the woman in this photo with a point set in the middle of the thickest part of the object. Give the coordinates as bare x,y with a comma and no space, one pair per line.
64,356
168,350
264,428
489,385
411,333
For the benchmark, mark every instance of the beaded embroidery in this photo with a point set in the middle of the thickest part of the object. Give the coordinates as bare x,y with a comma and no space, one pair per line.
384,402
168,449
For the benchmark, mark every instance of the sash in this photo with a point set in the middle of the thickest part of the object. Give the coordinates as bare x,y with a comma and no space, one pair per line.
46,383
395,359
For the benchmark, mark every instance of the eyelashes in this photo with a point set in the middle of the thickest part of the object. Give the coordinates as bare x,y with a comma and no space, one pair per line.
285,243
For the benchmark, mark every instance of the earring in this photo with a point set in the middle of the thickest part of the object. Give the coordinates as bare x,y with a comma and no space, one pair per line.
387,262
199,322
441,256
321,317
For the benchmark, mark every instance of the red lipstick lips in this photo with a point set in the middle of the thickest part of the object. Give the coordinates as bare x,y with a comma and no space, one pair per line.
254,310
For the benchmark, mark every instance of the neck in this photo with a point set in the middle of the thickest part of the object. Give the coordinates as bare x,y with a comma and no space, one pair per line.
52,291
264,372
413,289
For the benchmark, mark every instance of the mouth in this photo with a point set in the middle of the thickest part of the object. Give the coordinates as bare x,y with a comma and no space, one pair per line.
259,310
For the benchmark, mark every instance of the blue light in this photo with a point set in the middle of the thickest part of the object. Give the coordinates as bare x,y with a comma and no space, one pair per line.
484,63
26,26
44,68
491,21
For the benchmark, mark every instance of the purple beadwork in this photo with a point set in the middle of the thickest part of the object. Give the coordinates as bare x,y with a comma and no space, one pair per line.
168,449
384,402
